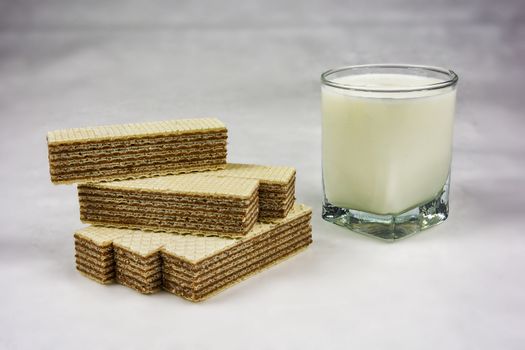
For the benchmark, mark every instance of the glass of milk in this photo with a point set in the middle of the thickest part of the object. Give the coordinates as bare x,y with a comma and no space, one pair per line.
387,147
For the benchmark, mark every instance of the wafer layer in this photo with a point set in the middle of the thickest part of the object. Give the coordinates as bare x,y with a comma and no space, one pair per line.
180,204
136,150
195,267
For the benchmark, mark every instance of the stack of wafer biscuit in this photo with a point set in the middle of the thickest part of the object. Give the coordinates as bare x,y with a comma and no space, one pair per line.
191,234
194,267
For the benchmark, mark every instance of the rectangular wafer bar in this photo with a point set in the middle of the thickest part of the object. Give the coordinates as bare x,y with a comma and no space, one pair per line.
221,206
129,151
197,267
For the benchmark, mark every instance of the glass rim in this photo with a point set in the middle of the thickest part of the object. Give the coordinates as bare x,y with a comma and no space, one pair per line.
451,81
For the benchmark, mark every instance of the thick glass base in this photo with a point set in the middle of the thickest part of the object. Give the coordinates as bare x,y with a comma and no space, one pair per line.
391,227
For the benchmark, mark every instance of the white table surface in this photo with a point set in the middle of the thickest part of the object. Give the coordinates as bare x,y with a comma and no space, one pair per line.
256,65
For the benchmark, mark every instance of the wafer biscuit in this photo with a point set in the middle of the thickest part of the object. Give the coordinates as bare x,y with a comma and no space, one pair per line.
196,267
198,285
136,150
246,270
179,204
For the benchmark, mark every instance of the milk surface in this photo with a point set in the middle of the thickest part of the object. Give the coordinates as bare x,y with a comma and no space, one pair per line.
387,152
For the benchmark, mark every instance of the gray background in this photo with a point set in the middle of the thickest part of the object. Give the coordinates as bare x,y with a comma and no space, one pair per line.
256,65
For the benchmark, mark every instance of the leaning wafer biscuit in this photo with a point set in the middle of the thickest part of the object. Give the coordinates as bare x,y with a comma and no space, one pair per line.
197,267
180,204
276,186
128,151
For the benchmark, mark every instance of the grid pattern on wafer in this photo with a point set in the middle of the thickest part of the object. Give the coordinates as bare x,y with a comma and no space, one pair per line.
189,184
266,174
101,236
143,244
123,131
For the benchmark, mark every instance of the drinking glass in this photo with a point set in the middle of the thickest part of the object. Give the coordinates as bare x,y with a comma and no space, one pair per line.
387,147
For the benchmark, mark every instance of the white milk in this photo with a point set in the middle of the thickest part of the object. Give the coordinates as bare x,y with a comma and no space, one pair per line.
385,153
